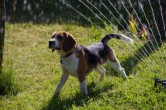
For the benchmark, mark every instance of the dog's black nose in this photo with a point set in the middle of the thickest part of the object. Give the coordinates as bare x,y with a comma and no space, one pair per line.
50,44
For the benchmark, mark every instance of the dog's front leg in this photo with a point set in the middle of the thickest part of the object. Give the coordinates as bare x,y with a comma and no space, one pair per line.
62,81
83,88
82,80
81,71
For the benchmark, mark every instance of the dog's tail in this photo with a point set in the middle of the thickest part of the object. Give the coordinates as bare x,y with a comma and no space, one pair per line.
117,36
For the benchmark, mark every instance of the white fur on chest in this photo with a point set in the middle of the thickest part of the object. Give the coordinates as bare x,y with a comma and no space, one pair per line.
70,64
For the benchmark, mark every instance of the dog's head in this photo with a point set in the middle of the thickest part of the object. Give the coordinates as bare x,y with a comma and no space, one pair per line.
62,41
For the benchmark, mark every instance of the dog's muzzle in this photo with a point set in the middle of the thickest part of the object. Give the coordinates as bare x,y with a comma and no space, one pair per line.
51,44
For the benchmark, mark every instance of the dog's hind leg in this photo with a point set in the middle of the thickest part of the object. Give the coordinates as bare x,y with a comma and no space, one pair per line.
114,63
102,71
118,68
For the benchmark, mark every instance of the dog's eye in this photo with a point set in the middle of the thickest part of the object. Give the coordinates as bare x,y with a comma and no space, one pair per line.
59,37
53,36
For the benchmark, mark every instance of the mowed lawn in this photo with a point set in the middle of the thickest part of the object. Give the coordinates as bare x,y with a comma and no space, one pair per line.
36,71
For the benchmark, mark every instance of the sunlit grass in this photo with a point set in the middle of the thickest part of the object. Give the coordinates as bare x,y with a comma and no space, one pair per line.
36,72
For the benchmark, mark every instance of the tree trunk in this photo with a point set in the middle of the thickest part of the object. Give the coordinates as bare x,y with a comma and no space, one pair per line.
2,30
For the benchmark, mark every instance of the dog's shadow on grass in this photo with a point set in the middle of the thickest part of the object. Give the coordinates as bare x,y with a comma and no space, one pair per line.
61,104
143,52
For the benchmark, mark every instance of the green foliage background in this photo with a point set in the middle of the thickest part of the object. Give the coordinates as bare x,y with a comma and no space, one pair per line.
47,11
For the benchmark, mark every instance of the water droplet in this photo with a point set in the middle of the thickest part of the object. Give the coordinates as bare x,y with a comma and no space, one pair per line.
25,2
47,20
2,30
29,7
37,5
34,17
8,18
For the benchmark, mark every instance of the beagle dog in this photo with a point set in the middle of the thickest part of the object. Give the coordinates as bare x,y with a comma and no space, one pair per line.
79,61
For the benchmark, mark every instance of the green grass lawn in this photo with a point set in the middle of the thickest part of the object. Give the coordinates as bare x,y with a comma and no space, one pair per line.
35,71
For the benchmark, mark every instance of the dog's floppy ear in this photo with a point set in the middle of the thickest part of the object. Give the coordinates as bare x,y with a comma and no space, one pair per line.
68,43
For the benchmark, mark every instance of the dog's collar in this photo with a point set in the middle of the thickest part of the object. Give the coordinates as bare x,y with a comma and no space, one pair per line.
69,53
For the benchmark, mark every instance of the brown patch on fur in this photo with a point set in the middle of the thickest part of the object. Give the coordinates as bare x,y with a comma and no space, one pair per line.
82,65
112,56
108,54
68,43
